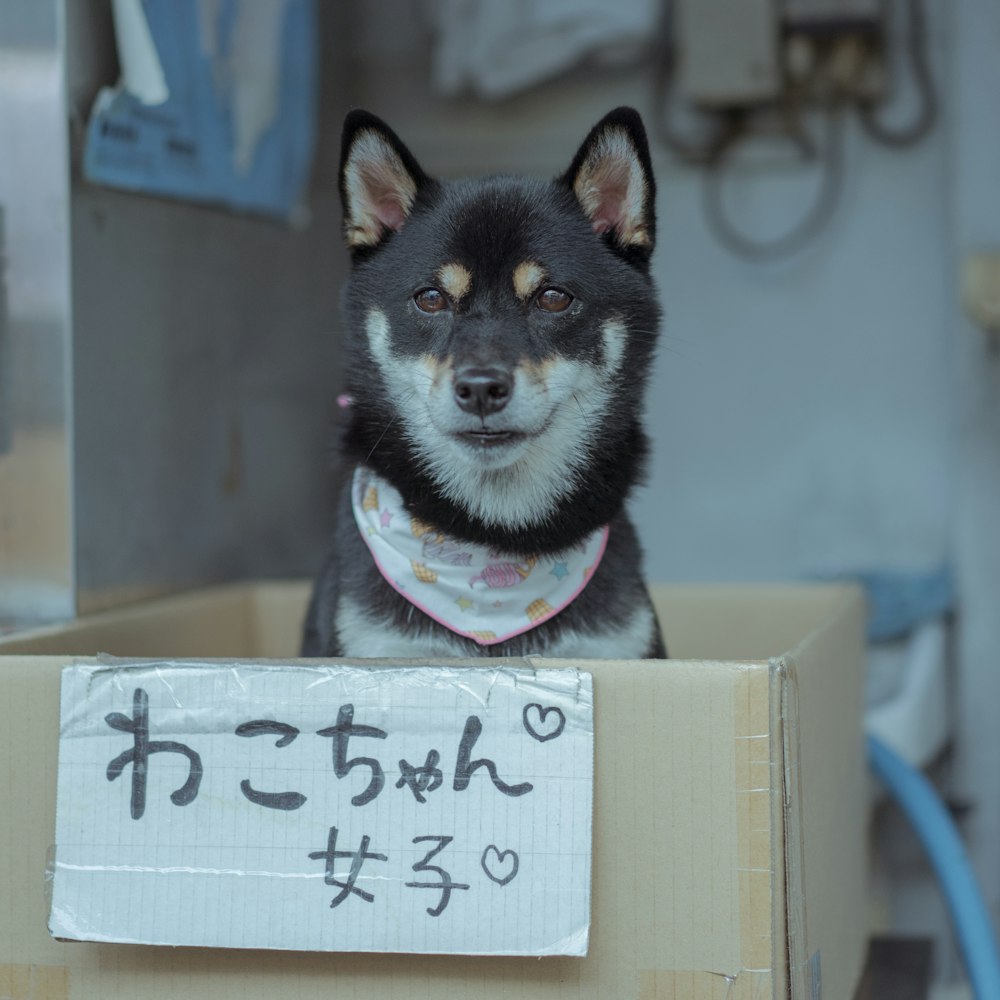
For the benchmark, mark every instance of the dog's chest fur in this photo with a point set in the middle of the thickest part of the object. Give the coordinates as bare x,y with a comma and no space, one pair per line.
365,629
500,334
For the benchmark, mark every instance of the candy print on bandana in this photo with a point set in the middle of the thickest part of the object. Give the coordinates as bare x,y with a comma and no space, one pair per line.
484,595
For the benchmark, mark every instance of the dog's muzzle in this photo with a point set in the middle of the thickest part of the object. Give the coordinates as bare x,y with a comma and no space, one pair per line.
483,391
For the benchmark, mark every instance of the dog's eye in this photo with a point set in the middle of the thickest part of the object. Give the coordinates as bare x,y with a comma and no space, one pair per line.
553,300
431,300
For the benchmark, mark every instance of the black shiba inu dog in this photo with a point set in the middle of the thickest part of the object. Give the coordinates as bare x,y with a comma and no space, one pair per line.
500,335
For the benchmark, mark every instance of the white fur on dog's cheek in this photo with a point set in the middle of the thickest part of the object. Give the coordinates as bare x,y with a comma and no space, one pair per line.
409,382
377,329
613,336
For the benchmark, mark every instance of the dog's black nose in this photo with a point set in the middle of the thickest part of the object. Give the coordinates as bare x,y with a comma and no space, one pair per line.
483,390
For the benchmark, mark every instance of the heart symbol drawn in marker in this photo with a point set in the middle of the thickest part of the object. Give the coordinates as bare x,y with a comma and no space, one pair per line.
493,858
538,729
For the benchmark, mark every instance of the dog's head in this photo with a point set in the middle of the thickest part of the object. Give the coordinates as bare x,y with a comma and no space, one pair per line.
503,327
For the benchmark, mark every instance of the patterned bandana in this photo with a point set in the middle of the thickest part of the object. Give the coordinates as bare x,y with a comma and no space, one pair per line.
477,592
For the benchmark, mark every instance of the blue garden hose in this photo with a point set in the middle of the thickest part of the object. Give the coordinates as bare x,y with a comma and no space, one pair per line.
934,827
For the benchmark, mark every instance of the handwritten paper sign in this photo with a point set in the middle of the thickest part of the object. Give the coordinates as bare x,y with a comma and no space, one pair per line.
420,809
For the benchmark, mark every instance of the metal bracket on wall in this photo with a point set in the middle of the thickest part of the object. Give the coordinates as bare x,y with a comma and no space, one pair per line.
5,365
981,294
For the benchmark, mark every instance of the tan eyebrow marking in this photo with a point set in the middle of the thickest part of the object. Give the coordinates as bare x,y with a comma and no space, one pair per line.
528,276
539,372
456,281
436,368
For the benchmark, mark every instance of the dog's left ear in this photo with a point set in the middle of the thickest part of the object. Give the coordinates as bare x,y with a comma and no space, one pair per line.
612,178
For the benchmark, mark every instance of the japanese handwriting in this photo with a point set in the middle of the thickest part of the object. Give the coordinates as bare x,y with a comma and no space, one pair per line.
464,768
446,884
357,857
142,748
420,779
286,733
341,733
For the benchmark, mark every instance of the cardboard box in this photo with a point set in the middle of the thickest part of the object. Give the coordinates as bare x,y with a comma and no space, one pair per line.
742,875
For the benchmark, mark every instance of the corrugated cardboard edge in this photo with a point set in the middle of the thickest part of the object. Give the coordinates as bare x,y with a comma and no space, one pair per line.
756,792
801,962
788,860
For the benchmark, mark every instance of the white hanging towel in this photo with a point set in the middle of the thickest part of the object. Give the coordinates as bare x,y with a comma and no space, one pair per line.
496,48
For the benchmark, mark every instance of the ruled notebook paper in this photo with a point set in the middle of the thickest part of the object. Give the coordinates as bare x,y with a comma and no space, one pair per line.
464,829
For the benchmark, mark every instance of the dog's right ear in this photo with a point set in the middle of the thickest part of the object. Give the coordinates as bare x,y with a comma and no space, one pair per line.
379,180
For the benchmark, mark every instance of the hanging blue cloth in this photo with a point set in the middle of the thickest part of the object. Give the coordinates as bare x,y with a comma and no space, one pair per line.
216,104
